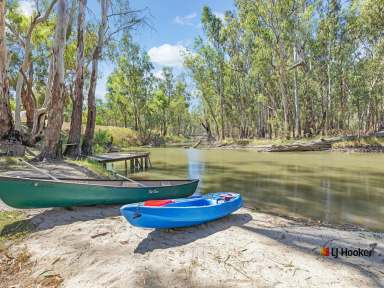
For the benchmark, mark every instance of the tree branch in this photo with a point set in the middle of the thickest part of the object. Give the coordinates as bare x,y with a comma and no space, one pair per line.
46,14
15,33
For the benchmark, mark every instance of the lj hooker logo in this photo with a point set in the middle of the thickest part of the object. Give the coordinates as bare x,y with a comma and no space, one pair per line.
346,252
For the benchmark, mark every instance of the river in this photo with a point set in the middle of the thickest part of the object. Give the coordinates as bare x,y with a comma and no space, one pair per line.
331,187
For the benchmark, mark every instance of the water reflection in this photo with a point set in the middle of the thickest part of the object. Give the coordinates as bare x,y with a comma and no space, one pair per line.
331,187
195,165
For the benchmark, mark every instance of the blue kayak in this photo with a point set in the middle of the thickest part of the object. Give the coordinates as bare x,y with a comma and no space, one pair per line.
181,212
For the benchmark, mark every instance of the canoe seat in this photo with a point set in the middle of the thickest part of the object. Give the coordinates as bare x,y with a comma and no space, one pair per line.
157,202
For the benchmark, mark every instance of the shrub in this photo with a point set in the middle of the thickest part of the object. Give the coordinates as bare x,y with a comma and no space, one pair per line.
101,140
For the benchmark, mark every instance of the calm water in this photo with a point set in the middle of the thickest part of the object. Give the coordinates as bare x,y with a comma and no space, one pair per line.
331,187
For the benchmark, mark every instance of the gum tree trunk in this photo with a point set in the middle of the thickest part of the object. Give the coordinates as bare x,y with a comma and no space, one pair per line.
28,98
26,43
74,149
52,144
6,123
91,116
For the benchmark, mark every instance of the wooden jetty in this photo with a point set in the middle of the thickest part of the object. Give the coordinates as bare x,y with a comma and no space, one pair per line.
139,161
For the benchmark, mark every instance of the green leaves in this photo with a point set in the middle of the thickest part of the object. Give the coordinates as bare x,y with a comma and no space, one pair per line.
272,61
139,99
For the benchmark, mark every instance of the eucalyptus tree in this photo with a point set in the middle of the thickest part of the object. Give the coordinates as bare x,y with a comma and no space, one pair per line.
52,144
6,121
23,31
86,148
130,83
116,17
213,28
74,138
180,118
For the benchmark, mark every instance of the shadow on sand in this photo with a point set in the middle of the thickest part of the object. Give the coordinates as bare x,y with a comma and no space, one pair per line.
168,238
59,216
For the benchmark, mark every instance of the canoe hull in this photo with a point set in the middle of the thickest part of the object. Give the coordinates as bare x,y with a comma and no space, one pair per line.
32,193
174,217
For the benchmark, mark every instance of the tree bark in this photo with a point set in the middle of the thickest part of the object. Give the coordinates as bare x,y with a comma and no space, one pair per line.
27,45
52,143
28,99
91,116
6,122
329,90
297,99
283,87
221,93
74,149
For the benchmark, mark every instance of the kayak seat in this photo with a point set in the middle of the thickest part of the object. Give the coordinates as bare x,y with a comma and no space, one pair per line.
226,197
157,202
198,202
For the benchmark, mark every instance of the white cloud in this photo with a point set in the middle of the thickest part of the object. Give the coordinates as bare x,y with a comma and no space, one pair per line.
168,55
26,7
159,74
220,15
185,20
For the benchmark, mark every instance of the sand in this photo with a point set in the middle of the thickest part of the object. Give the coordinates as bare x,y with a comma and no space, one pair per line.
96,247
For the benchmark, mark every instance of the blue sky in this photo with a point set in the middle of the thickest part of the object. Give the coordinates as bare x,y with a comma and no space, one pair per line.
174,26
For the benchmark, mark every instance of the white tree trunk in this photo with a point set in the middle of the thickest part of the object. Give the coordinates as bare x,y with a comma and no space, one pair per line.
97,53
52,144
6,123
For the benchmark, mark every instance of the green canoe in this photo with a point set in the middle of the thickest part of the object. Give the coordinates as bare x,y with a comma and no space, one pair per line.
42,193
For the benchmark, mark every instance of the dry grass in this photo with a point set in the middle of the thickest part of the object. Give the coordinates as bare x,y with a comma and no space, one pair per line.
365,142
14,264
121,136
15,271
8,163
51,281
92,166
16,267
264,142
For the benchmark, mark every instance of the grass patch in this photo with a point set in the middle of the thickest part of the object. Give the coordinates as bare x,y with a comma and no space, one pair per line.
8,163
176,139
264,142
13,226
364,142
121,136
96,168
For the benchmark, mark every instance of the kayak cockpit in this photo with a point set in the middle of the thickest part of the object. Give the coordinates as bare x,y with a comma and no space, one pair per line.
193,202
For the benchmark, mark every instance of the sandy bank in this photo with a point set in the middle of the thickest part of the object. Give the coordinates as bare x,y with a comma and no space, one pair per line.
96,247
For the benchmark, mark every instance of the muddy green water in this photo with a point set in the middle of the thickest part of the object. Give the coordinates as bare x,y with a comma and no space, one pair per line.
341,188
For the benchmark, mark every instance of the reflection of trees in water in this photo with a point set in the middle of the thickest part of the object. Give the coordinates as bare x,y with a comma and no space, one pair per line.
326,188
327,191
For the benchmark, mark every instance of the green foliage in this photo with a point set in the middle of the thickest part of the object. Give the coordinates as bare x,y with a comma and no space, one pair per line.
120,136
269,69
291,68
139,100
13,226
102,137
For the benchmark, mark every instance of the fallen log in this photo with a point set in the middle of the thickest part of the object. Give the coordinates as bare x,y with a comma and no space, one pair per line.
321,145
197,144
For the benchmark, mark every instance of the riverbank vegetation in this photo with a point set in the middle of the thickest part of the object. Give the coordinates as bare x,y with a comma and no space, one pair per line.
13,226
291,68
266,70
